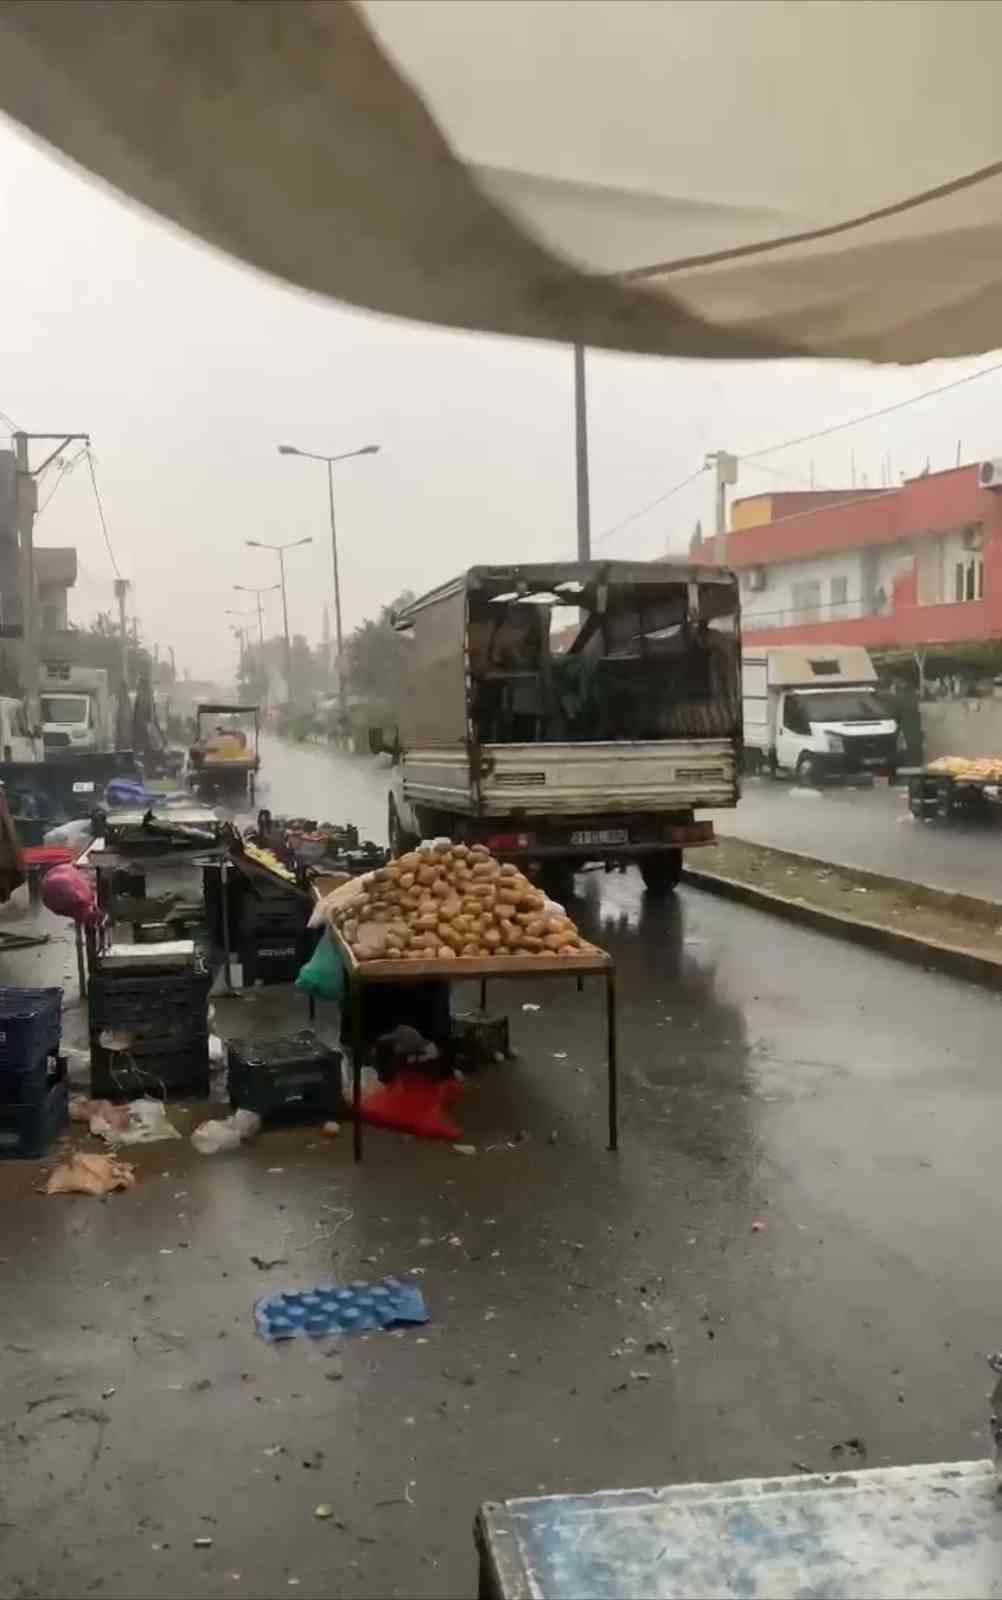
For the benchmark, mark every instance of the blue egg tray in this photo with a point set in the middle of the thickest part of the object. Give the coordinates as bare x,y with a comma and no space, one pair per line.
358,1307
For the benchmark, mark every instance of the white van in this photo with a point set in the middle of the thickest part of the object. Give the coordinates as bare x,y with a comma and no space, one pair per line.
814,712
17,742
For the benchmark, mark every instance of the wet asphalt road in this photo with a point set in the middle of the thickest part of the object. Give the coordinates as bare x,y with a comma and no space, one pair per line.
596,1320
873,829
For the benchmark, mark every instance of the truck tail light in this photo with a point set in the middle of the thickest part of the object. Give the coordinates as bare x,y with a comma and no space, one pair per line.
499,842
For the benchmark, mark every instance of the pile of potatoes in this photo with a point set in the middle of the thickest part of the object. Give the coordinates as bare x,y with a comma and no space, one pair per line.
448,900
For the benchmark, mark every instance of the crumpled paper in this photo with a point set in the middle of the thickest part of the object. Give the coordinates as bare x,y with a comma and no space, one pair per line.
91,1174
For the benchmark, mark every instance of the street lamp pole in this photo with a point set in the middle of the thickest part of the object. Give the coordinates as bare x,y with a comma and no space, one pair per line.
346,455
280,549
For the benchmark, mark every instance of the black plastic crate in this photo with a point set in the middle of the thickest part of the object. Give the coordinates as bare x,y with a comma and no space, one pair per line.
296,1076
137,998
144,1069
272,956
31,1022
27,1130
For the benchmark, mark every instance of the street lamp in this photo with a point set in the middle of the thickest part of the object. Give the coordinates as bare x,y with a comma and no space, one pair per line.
346,455
262,672
280,549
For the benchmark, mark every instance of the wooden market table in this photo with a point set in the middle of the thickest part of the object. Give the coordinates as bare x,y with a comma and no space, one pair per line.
365,974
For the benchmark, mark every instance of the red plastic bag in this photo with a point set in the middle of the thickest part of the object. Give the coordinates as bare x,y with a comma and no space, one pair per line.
414,1103
68,893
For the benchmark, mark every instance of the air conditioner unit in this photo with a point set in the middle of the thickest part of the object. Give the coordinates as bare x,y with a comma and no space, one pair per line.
972,537
756,577
990,474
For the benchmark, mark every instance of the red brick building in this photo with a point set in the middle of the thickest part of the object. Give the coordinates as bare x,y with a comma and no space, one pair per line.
895,569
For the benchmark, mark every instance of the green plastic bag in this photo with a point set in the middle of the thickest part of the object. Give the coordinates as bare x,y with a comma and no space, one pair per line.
323,974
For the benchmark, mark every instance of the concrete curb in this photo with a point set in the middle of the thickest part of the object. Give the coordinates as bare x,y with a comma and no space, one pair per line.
955,960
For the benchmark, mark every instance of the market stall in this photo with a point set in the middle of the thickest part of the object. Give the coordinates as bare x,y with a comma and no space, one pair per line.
968,786
448,913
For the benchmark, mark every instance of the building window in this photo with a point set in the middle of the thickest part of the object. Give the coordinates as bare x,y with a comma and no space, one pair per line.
969,579
807,601
839,594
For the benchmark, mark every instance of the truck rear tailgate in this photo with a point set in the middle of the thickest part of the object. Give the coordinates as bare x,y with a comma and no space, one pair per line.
578,779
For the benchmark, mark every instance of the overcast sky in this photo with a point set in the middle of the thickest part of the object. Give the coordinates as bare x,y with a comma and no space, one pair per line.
188,370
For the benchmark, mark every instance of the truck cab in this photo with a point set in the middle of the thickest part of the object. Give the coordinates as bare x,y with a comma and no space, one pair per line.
817,714
68,723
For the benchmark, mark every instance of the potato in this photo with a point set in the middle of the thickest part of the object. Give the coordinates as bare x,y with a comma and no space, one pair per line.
426,921
409,862
556,941
490,938
570,950
426,874
415,955
445,953
486,869
393,953
450,936
559,925
406,880
441,889
509,870
533,946
480,852
504,912
510,897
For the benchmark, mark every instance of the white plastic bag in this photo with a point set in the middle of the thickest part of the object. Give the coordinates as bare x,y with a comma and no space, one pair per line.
209,1138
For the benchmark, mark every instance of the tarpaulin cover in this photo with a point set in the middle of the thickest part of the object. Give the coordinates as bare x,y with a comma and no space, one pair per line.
696,177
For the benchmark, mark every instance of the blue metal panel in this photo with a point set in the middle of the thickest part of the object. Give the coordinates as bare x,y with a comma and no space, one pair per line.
922,1531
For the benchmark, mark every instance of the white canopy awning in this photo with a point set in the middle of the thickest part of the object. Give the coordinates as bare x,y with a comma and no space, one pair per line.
695,177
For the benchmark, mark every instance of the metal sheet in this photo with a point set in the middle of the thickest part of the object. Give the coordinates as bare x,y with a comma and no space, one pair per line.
583,779
923,1531
433,709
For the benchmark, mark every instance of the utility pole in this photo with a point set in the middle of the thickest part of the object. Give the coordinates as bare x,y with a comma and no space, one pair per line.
121,590
26,511
726,472
581,454
279,550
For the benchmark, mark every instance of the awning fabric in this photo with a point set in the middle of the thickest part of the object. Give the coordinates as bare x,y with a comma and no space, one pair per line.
693,177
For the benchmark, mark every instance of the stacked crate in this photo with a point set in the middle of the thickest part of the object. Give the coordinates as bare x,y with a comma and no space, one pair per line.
149,1033
34,1094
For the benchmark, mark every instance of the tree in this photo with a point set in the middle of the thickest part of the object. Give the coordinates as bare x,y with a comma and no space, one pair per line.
377,660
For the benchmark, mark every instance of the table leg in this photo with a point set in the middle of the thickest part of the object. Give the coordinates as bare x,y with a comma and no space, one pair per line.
483,994
610,1013
81,967
355,1000
312,1004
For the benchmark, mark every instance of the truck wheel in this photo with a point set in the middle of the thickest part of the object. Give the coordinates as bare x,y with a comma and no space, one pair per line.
809,772
400,840
661,873
944,800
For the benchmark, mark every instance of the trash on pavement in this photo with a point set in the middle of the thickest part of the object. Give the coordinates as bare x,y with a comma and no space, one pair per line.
758,1226
144,1122
91,1174
209,1138
528,1006
465,1149
414,1103
330,1130
323,1513
217,1051
330,1308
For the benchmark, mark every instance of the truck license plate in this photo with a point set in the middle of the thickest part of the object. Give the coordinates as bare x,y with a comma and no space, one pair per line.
601,836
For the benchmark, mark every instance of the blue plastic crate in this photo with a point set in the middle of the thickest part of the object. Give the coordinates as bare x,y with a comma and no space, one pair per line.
31,1022
27,1131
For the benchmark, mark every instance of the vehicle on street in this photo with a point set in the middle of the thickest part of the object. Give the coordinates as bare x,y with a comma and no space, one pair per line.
224,759
75,710
598,751
815,712
17,738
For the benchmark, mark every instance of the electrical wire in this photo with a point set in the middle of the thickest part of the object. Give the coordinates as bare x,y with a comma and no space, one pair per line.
63,468
634,515
12,425
870,416
100,509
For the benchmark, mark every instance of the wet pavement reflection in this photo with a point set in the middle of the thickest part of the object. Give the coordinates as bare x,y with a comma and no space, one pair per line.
796,1244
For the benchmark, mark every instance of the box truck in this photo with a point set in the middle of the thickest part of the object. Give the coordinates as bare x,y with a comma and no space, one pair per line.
570,712
815,712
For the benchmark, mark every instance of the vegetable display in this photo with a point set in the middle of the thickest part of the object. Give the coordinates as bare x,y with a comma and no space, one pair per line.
444,901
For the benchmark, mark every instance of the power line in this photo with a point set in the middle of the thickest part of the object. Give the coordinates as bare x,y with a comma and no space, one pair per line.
12,425
100,510
634,515
63,469
870,416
